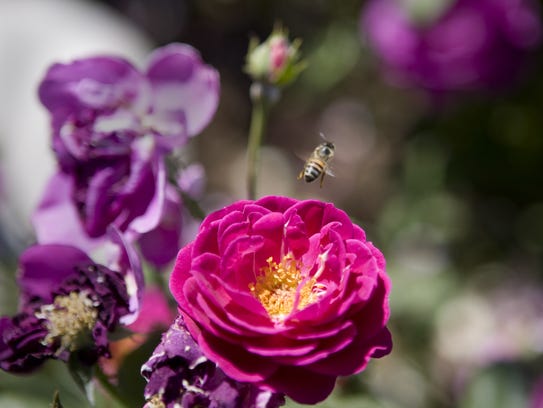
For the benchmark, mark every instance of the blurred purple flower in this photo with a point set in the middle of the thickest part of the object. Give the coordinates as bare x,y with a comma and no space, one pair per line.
192,179
536,397
160,245
112,126
126,192
155,312
479,328
68,305
179,375
99,105
468,45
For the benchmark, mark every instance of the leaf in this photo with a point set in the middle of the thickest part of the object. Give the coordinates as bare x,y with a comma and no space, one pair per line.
501,386
120,333
131,384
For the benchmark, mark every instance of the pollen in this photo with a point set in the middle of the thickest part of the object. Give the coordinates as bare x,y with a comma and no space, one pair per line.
69,319
282,288
156,402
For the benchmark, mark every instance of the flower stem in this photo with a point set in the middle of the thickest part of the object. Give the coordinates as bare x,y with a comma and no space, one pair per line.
256,135
192,205
110,388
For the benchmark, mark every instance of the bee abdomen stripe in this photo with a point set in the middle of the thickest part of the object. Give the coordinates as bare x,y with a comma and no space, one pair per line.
313,170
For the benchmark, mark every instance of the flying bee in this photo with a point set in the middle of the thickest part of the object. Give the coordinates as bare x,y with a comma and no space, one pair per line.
318,164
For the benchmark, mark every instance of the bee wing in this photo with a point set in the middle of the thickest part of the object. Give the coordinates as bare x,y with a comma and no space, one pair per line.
301,163
323,137
302,157
329,172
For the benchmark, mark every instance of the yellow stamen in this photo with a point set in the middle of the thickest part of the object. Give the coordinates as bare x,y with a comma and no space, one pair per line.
69,319
156,402
282,288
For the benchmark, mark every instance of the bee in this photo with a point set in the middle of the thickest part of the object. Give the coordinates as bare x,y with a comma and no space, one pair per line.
318,164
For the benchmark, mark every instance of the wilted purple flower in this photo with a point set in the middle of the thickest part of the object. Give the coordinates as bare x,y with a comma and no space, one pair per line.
112,126
179,375
453,45
21,343
68,305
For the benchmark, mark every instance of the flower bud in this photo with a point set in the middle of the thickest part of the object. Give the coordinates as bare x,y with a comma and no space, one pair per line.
276,61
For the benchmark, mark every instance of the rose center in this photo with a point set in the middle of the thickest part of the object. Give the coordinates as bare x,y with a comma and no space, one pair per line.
282,288
68,319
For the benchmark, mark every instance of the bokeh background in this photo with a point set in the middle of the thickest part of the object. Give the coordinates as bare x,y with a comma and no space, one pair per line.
445,177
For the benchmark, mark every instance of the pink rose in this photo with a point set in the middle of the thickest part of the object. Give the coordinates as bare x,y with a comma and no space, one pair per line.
284,294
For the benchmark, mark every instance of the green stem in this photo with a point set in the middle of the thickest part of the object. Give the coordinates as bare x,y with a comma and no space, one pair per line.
256,135
110,388
192,205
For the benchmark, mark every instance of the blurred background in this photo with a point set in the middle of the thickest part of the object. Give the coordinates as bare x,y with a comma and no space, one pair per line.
436,111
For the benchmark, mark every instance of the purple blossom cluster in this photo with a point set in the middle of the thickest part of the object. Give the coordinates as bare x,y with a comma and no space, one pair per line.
109,205
457,45
276,297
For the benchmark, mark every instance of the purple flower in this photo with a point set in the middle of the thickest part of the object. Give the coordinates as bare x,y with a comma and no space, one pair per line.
99,105
56,221
466,45
21,343
112,126
285,294
191,180
536,396
58,218
179,375
68,305
124,191
160,245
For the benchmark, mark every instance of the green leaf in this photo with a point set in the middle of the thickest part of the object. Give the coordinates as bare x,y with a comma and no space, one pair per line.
120,333
131,383
333,57
501,386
